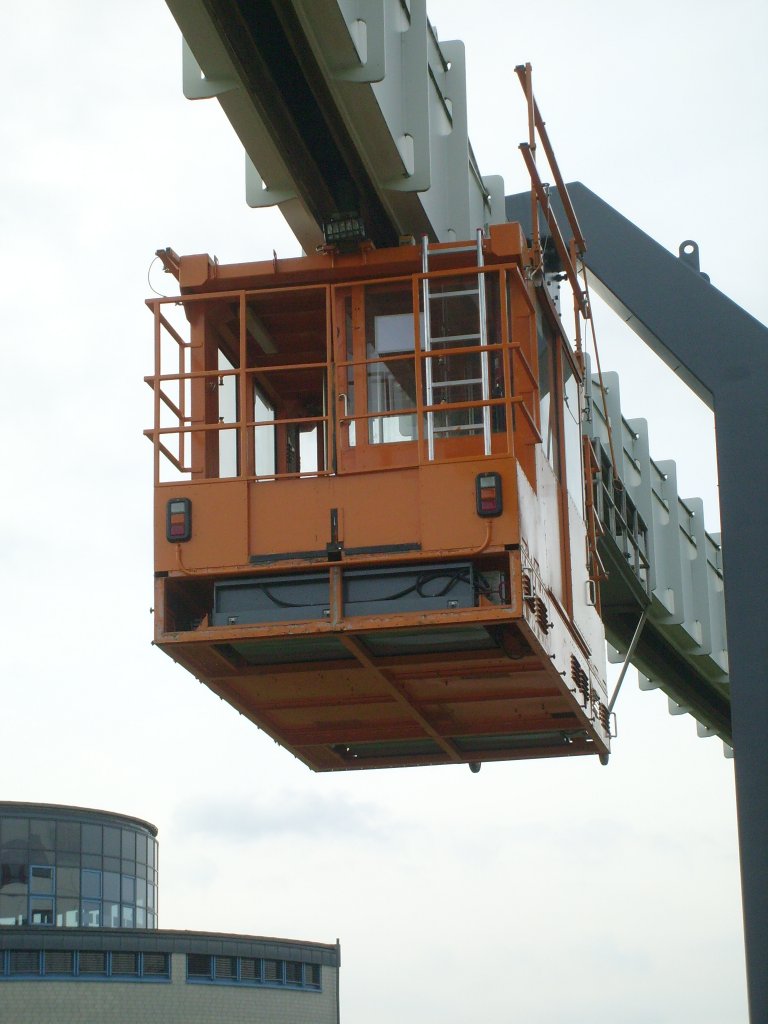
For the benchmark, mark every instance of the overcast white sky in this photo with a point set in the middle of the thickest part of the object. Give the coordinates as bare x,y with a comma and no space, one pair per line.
547,892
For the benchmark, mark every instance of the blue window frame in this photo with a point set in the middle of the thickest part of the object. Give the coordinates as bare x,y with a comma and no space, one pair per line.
90,914
41,910
42,879
61,965
203,968
90,884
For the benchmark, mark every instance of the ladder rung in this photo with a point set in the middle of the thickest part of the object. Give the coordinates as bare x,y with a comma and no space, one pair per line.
454,294
454,337
456,383
454,249
461,426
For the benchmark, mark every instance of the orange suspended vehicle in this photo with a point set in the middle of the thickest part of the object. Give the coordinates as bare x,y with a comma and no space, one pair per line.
371,535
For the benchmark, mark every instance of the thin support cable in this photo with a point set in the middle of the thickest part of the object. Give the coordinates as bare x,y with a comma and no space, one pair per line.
616,477
630,652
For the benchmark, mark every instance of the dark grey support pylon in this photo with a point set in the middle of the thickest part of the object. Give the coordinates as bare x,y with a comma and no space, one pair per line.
721,352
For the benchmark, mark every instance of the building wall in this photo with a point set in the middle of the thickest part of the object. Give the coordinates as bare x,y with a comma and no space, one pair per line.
74,1001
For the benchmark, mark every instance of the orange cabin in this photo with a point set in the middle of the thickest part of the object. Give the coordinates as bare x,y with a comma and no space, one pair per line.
370,530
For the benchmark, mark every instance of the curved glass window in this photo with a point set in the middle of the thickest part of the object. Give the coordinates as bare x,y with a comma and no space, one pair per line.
69,874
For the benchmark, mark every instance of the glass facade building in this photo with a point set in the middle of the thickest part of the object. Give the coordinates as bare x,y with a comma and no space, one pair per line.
72,867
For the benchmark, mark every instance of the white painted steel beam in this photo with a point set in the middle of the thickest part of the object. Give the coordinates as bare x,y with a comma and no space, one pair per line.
685,578
399,93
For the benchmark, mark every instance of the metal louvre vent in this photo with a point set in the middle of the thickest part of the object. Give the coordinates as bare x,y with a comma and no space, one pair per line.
242,970
292,972
198,966
250,970
59,961
125,963
156,964
23,961
273,970
93,962
225,966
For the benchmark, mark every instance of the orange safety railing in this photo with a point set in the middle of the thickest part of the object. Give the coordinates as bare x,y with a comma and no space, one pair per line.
209,424
187,416
569,252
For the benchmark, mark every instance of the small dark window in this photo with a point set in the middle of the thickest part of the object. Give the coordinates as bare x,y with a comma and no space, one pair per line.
129,889
110,914
125,963
90,914
226,966
141,892
68,836
273,971
67,911
312,975
68,858
93,962
91,839
59,961
111,842
42,835
198,966
41,911
111,885
90,884
141,848
156,964
41,879
129,845
250,969
13,909
13,875
67,882
15,833
24,961
292,972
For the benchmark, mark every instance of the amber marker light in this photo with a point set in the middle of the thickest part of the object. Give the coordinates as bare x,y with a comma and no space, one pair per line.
178,520
488,494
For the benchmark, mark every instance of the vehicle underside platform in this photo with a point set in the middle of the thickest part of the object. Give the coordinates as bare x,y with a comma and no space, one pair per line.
385,691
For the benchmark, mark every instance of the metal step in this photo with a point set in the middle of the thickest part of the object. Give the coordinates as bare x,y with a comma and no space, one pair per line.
454,337
454,294
463,427
456,383
453,249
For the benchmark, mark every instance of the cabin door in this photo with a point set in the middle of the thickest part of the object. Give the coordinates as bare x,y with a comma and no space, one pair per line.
374,335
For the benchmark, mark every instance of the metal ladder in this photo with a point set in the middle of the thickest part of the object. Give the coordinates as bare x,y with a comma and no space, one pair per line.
481,336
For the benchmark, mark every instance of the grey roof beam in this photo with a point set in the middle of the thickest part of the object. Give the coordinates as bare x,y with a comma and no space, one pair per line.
721,352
